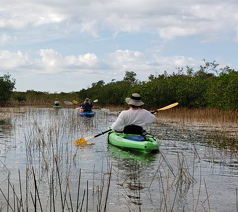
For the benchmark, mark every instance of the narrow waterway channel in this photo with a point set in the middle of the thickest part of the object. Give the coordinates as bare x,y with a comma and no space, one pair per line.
41,170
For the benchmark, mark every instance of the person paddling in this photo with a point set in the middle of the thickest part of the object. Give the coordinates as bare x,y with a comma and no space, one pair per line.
87,105
134,119
57,103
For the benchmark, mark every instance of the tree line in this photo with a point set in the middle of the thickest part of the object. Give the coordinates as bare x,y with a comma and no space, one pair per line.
207,87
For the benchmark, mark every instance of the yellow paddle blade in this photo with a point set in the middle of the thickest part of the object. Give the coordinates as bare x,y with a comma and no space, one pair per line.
168,107
74,102
81,141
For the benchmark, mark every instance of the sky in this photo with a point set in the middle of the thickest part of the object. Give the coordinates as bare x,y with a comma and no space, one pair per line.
65,46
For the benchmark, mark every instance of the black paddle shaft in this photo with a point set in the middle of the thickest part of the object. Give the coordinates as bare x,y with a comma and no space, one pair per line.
102,133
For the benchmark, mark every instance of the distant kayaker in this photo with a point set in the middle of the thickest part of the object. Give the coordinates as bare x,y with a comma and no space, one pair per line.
87,105
134,119
57,103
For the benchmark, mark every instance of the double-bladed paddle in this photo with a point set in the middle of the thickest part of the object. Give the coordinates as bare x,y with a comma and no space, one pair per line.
75,102
83,141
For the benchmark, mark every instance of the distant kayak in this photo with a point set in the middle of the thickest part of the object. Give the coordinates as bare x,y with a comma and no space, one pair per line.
87,114
57,107
146,143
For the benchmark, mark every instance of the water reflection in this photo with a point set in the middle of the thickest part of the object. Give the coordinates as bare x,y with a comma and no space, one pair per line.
5,128
132,171
6,138
122,154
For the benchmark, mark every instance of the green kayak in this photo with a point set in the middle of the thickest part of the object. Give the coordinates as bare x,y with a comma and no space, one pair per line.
145,143
57,106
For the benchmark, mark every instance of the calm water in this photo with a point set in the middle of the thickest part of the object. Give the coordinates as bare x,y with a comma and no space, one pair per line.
41,168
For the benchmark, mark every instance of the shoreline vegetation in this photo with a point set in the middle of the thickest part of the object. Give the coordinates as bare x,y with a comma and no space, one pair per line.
207,87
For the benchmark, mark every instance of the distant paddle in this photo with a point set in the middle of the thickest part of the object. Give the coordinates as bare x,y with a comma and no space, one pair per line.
105,109
74,102
68,103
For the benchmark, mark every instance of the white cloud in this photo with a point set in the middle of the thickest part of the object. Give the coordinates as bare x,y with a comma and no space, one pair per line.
144,66
90,27
26,13
172,32
52,62
48,18
4,38
13,60
171,63
126,56
170,19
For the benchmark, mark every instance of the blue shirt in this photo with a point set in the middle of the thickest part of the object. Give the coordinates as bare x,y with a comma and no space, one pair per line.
87,107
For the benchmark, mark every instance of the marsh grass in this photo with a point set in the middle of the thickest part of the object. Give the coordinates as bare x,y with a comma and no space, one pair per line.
221,127
213,117
57,197
61,194
54,179
50,181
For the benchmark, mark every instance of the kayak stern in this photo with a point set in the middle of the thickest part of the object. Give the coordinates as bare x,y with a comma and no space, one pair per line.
123,140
